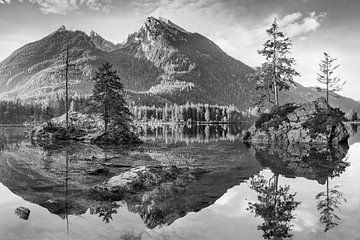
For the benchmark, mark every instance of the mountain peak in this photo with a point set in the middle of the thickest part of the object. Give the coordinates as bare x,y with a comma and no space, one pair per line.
102,43
61,29
94,34
155,24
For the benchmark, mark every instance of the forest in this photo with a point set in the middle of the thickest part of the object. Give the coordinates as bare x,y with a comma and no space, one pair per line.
200,113
19,112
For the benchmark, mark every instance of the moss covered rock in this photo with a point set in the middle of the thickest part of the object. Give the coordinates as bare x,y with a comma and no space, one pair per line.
312,122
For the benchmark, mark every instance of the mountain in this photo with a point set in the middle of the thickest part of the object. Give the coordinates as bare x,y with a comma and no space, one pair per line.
161,63
102,43
36,69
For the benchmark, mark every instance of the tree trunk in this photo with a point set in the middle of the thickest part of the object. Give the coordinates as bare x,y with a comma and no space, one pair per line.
276,183
67,88
106,118
276,94
274,77
327,84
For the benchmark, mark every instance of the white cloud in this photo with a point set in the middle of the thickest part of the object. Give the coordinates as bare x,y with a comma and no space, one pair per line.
65,6
296,25
236,27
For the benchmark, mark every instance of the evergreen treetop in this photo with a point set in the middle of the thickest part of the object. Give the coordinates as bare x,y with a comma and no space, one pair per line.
109,98
277,73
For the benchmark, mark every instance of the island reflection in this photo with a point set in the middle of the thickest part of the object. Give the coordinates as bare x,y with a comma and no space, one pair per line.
276,203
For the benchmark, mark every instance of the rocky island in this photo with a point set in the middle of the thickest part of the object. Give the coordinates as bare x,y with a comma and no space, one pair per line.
310,123
87,128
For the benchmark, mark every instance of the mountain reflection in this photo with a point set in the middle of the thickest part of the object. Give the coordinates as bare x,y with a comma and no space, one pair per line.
275,205
61,178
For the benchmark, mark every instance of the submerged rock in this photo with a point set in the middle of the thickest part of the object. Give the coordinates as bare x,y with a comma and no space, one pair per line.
82,127
162,194
23,212
141,178
312,122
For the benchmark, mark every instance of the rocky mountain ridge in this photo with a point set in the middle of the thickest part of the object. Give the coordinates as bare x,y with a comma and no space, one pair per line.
160,63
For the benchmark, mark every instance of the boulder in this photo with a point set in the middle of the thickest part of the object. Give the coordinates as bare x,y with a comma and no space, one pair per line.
140,178
312,122
23,212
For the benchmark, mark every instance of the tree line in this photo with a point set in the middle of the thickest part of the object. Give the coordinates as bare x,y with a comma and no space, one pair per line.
189,112
18,112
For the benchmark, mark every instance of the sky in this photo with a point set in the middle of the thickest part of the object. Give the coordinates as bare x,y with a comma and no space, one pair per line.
237,26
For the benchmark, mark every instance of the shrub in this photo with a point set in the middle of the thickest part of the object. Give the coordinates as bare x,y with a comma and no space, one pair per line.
283,111
264,117
320,122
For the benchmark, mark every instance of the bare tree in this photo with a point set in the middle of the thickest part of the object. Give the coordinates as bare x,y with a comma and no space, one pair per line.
327,69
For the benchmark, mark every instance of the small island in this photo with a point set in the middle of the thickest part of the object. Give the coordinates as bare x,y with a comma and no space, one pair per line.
312,122
110,122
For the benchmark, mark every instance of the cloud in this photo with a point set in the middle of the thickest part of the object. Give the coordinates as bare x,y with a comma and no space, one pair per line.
296,25
238,27
65,6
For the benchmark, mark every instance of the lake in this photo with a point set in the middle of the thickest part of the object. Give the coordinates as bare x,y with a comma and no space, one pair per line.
245,192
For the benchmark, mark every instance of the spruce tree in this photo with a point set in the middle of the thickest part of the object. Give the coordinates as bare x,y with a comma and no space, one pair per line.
108,98
277,73
327,69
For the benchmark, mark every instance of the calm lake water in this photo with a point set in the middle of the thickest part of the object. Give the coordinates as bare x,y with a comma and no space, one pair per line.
245,192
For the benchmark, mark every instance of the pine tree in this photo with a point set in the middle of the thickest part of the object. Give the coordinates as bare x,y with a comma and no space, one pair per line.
333,84
108,97
277,73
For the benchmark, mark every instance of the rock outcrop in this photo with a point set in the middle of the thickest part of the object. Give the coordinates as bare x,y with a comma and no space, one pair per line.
144,178
82,127
312,122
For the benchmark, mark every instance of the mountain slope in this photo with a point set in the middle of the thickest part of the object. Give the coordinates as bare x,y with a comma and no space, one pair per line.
161,60
161,63
301,94
36,70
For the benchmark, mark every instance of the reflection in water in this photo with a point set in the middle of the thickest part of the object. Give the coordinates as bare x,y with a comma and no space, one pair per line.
60,179
354,129
328,203
315,162
105,211
66,190
40,171
275,205
171,134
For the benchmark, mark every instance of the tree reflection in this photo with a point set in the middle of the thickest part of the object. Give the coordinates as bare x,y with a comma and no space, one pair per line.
329,201
105,211
275,205
354,129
